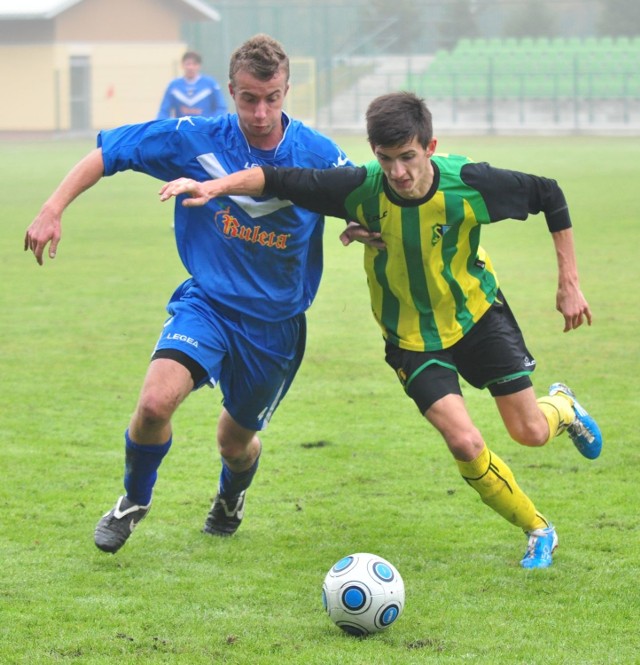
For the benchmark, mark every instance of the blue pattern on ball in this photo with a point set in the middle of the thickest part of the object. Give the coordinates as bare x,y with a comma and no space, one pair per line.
389,615
353,598
383,571
343,563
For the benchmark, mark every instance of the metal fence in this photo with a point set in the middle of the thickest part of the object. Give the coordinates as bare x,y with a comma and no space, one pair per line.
343,52
487,108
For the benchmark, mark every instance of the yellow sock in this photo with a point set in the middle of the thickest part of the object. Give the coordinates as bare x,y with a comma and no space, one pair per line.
494,482
558,411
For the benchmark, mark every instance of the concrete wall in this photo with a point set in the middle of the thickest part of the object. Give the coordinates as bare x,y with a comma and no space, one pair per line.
28,87
133,50
127,81
122,21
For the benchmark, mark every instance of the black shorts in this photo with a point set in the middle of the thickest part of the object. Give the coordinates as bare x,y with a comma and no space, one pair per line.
491,355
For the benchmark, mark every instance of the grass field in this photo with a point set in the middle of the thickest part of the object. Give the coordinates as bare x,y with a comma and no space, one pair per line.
349,464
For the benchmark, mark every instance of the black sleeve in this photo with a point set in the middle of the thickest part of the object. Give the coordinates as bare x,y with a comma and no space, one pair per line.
319,190
515,195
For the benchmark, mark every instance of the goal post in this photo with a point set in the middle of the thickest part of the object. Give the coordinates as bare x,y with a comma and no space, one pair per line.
301,100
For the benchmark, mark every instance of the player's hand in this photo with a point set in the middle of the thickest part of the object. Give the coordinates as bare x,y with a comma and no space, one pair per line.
44,230
573,306
194,190
357,232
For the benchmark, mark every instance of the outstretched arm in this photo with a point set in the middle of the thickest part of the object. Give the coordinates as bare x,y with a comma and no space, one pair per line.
242,183
46,228
570,301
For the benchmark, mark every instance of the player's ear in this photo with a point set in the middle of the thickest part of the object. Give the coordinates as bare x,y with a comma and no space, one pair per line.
431,146
231,91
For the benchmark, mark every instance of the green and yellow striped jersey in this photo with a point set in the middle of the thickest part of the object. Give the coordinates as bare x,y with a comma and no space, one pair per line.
433,281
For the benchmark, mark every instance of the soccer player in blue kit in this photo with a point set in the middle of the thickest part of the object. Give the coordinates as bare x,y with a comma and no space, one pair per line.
255,267
192,94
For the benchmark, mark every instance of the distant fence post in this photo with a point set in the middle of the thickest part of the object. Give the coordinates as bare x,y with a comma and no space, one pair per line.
490,97
625,97
56,98
454,98
576,92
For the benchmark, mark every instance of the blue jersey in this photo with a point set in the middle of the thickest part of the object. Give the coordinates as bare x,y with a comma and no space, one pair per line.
262,256
201,96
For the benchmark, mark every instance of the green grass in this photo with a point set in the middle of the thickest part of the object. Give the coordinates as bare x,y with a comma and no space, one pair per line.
349,464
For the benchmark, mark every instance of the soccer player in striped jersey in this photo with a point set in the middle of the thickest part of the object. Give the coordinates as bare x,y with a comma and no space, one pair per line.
435,293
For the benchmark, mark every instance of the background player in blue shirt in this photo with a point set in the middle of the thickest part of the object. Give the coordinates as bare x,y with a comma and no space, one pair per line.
255,267
192,94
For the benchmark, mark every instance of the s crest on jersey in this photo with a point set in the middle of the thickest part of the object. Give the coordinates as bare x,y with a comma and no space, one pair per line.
437,231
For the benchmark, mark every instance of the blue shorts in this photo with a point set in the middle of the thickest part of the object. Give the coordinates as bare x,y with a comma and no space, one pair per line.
253,361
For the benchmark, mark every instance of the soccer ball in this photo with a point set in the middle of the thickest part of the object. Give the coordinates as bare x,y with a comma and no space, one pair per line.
363,594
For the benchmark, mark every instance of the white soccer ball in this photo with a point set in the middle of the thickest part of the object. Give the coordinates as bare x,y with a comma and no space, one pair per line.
363,594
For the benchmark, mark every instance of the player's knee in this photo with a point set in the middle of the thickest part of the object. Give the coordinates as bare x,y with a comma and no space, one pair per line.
529,433
238,454
465,445
153,410
236,458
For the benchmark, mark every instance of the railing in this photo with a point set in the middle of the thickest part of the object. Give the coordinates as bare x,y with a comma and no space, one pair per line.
489,99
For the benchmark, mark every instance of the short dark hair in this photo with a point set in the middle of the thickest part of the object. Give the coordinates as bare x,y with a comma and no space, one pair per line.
397,118
192,55
261,56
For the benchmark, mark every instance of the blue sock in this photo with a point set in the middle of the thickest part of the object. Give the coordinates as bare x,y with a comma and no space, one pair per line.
232,482
141,469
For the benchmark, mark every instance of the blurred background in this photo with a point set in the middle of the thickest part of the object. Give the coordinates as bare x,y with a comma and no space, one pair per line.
484,66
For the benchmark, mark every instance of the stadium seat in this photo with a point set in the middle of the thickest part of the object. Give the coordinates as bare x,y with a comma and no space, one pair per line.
535,68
